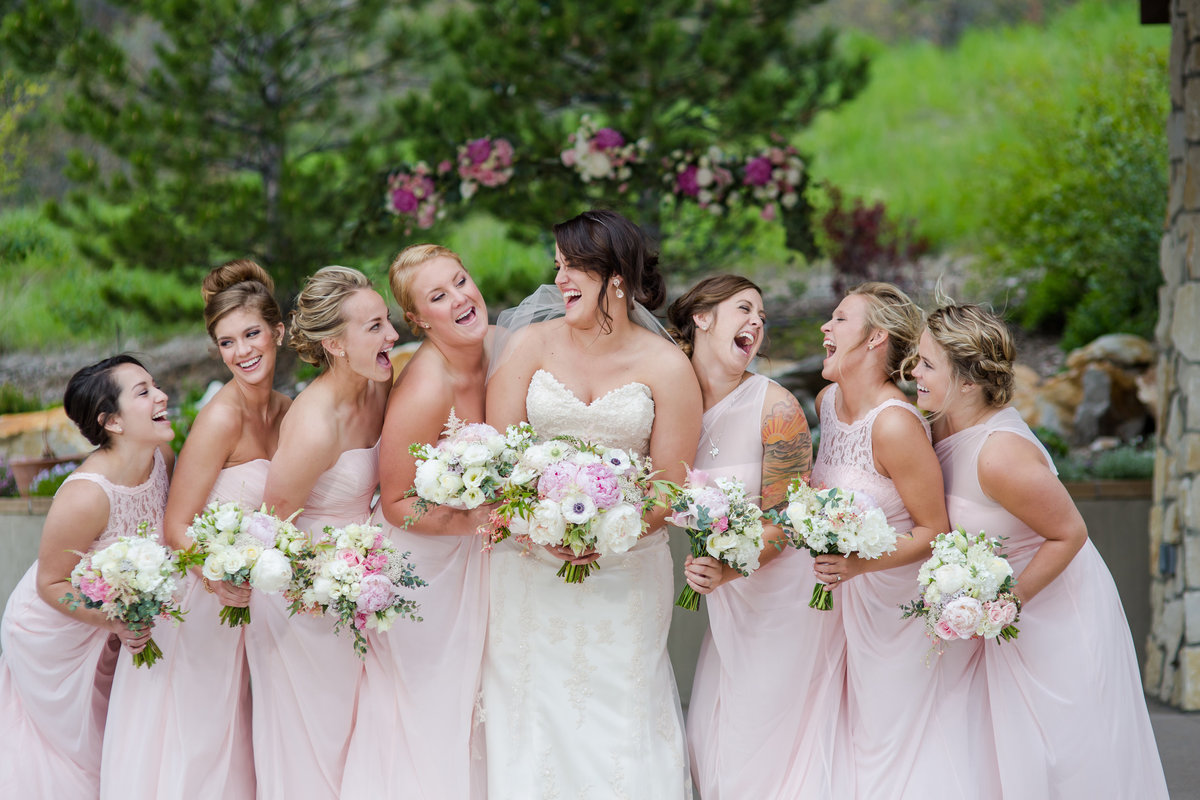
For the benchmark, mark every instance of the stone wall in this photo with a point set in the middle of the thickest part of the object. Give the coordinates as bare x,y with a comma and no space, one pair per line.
1173,650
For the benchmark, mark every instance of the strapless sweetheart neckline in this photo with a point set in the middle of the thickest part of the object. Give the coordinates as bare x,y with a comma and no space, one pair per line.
576,397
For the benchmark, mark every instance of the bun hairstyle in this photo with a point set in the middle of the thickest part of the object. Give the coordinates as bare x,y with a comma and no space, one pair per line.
318,313
978,346
236,285
92,396
606,244
404,269
890,310
704,296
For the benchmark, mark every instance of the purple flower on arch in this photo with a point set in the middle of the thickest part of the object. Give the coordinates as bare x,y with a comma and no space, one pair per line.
608,138
758,171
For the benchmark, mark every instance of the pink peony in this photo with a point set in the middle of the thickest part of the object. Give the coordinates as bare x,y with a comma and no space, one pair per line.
607,139
375,593
943,629
404,201
599,483
376,562
963,615
686,183
478,150
758,172
95,589
262,528
557,480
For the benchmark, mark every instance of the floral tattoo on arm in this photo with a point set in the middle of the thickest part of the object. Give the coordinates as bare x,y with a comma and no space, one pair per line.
787,451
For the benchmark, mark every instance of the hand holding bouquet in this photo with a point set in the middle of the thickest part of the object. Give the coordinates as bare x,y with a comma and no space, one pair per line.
131,580
255,548
966,590
570,493
720,522
469,466
355,575
827,522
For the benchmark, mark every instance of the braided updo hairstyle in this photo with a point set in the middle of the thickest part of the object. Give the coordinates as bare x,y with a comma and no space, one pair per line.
236,285
704,296
978,346
890,310
606,244
318,313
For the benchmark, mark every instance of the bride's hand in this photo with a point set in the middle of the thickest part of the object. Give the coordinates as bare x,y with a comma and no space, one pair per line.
567,554
706,573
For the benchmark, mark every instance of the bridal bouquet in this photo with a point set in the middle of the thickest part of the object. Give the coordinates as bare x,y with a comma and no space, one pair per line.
133,580
966,590
720,522
827,522
255,548
469,466
355,575
571,493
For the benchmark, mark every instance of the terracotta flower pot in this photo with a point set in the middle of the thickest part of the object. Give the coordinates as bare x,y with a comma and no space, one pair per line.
24,470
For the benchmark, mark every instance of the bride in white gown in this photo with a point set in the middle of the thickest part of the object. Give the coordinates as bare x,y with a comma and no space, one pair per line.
579,697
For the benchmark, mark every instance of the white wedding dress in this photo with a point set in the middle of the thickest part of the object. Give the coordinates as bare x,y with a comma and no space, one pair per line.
578,692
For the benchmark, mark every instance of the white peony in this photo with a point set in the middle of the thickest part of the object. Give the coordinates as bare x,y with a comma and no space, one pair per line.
595,165
475,454
546,523
272,572
617,529
950,578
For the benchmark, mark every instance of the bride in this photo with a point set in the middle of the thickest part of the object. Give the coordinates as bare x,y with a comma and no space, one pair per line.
578,691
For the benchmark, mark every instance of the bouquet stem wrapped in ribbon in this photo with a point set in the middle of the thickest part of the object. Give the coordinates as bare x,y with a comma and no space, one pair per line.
828,522
720,522
131,579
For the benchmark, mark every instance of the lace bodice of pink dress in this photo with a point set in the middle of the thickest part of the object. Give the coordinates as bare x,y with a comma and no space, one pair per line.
1067,708
56,673
918,724
746,737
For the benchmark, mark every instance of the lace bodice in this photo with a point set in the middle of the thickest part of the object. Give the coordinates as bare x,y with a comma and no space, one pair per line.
130,505
846,458
621,418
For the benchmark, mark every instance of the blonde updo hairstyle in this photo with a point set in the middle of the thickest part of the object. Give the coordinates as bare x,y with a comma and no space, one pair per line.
235,285
890,310
402,271
978,346
318,313
704,296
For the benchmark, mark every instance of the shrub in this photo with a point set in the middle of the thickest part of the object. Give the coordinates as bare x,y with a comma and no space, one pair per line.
14,401
864,243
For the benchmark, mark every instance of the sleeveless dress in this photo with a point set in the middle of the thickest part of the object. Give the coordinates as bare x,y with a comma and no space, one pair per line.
1067,707
917,722
198,696
306,678
416,735
578,691
56,672
766,699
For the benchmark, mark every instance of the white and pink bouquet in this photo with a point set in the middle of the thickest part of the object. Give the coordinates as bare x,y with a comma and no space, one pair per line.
469,466
828,522
966,590
414,196
255,548
131,579
774,176
567,492
703,177
356,575
720,521
484,162
602,154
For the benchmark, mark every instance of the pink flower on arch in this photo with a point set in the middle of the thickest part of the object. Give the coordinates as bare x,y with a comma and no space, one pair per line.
686,183
404,201
608,138
479,149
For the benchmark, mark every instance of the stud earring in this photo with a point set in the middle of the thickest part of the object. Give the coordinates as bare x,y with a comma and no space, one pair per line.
425,325
870,347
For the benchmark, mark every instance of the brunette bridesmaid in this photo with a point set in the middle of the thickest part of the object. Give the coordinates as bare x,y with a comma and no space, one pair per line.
326,464
1067,709
761,721
57,668
417,728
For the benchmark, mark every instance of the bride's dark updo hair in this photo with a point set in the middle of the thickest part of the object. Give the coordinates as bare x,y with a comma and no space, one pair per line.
609,246
236,285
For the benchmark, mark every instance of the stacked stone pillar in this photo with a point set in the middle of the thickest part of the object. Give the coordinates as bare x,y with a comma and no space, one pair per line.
1173,649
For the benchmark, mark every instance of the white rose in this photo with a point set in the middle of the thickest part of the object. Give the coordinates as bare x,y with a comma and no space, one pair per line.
950,578
232,560
148,557
251,552
546,524
1000,568
796,513
617,529
272,572
475,454
228,518
720,543
212,569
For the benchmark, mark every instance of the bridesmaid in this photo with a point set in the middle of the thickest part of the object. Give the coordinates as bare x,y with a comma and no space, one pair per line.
417,714
202,702
325,464
1067,708
761,720
912,725
57,667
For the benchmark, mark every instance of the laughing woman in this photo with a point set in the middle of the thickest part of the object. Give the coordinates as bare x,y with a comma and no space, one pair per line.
1067,709
761,720
416,727
327,465
57,668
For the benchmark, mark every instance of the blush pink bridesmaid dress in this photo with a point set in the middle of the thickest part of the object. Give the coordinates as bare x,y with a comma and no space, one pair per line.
305,678
1067,708
763,717
918,723
56,673
197,698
